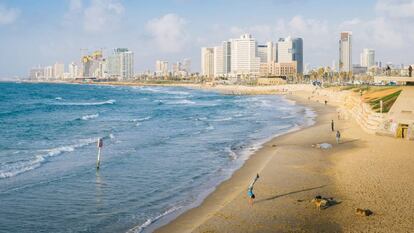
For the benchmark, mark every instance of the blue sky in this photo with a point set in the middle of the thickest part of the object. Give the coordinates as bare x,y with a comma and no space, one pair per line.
41,32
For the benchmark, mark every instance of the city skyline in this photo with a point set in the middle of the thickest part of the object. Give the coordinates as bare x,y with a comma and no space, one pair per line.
177,29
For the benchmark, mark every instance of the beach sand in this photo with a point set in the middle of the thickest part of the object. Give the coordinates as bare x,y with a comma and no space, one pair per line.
363,171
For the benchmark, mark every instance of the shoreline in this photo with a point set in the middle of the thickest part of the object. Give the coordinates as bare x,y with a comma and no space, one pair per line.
364,171
169,217
193,218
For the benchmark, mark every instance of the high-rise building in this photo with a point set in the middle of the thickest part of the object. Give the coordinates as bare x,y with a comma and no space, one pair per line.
267,52
244,59
161,68
36,73
219,61
227,56
120,64
222,59
91,65
367,58
73,71
262,53
207,61
345,52
58,70
48,72
186,66
289,50
176,68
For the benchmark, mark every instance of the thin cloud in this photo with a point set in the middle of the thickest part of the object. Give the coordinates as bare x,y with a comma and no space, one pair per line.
8,15
97,16
168,32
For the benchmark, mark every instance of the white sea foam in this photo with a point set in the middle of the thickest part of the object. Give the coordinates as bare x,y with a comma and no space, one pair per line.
141,119
22,166
232,154
163,91
140,228
223,119
88,103
181,102
88,117
58,98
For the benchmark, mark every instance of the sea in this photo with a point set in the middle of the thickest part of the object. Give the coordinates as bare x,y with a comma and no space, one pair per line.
164,150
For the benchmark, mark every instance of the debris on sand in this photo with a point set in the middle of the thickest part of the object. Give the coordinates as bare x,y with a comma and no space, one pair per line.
323,202
274,145
363,212
324,146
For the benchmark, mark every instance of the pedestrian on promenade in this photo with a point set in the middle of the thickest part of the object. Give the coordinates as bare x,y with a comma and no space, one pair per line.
410,71
332,126
338,136
250,190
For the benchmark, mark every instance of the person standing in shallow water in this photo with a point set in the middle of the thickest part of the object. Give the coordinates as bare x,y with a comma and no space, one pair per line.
250,193
338,136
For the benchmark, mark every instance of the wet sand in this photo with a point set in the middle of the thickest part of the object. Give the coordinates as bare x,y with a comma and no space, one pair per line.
363,171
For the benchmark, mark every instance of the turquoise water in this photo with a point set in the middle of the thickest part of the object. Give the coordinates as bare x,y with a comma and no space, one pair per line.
164,150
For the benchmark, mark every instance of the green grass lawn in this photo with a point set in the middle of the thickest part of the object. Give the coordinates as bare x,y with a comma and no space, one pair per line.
387,100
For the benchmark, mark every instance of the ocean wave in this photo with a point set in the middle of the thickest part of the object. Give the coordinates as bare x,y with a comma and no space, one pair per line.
15,168
232,155
58,98
88,117
181,102
140,228
163,91
222,119
141,119
87,103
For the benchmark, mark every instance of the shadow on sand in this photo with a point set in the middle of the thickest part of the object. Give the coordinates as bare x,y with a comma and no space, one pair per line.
289,193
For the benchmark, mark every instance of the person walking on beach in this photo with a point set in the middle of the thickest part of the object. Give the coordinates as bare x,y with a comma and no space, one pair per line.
332,126
338,136
250,190
410,71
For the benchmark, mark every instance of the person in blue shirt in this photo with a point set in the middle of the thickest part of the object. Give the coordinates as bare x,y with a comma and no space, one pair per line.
250,193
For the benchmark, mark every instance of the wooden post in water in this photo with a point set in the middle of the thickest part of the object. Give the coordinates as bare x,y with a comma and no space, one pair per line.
98,160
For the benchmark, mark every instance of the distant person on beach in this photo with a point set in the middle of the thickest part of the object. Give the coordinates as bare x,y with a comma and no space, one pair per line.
332,126
410,71
388,70
338,136
250,190
326,102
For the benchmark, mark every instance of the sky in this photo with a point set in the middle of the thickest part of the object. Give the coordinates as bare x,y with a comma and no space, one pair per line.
43,32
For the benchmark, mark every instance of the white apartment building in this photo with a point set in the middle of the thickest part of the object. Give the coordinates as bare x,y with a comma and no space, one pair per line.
121,64
267,52
161,68
244,59
367,58
58,70
207,61
219,61
73,71
48,72
345,52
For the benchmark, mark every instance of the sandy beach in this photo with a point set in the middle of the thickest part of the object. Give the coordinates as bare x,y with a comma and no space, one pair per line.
363,171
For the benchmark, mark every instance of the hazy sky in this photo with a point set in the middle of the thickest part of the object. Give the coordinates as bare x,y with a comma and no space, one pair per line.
41,32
